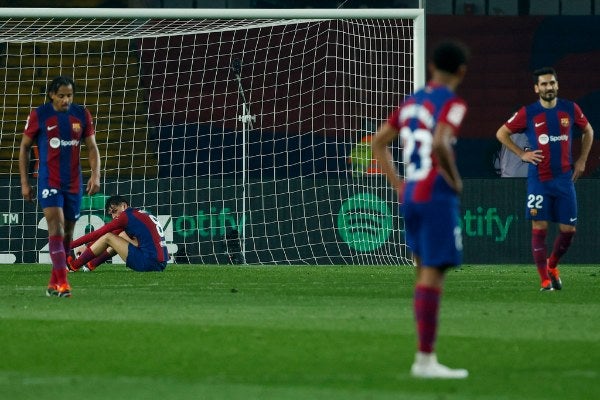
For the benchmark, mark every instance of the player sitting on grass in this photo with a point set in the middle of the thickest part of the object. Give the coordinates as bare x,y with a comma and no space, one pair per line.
135,235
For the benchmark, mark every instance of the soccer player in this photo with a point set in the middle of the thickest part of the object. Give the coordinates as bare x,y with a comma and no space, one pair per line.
427,123
548,124
135,235
58,127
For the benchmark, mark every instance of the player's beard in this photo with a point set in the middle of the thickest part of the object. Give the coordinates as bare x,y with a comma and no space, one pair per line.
548,95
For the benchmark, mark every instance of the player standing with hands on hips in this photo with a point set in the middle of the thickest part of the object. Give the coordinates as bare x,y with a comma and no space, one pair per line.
548,124
59,127
427,123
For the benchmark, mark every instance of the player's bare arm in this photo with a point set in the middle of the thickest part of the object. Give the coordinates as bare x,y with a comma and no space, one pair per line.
533,157
24,150
380,142
93,185
587,139
443,138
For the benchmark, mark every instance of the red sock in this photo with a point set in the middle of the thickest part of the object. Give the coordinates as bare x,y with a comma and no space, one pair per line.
86,256
105,255
538,248
59,260
53,278
561,245
426,304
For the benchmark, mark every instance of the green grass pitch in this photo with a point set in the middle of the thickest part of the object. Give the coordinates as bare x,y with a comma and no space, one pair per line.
306,332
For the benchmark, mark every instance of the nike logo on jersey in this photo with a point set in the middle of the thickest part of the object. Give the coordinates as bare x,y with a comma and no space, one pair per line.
538,124
572,219
51,128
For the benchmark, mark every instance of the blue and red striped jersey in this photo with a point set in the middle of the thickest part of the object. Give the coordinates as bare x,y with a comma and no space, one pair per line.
416,119
58,136
549,130
137,224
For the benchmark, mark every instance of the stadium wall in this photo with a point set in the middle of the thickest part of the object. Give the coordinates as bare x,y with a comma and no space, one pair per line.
495,230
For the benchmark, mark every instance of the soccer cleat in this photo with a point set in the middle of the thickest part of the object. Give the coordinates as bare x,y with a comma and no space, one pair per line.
64,290
427,366
546,286
52,290
70,267
555,278
88,267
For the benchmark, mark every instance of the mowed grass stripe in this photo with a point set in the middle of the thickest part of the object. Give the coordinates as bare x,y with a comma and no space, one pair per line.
294,332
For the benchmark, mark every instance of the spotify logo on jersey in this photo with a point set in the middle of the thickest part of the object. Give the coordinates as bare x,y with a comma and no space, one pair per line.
55,143
365,222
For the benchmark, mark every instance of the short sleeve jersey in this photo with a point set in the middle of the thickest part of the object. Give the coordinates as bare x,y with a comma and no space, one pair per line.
551,131
58,136
416,119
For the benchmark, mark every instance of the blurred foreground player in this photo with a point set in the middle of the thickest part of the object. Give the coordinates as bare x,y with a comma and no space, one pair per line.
58,127
427,123
135,235
548,124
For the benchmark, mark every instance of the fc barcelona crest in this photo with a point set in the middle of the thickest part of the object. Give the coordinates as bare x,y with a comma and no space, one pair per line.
76,127
564,121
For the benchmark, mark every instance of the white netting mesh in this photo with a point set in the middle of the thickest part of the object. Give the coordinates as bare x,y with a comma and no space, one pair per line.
294,179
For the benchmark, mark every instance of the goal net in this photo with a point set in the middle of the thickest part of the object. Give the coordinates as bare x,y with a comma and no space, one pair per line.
249,137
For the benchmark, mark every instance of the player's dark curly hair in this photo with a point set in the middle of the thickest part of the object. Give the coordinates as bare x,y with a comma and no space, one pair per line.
449,55
114,200
543,71
58,82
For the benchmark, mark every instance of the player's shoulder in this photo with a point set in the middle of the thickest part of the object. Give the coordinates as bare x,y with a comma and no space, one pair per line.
536,105
45,106
78,111
438,94
42,113
137,212
562,100
43,109
447,96
458,100
532,109
566,104
77,108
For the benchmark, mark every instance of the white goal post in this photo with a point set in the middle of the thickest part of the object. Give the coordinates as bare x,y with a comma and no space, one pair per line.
246,131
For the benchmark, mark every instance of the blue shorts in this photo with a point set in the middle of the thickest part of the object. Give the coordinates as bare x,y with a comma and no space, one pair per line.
69,202
553,200
433,232
140,262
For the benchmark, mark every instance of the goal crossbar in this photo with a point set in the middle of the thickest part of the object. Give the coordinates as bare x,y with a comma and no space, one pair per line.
212,13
